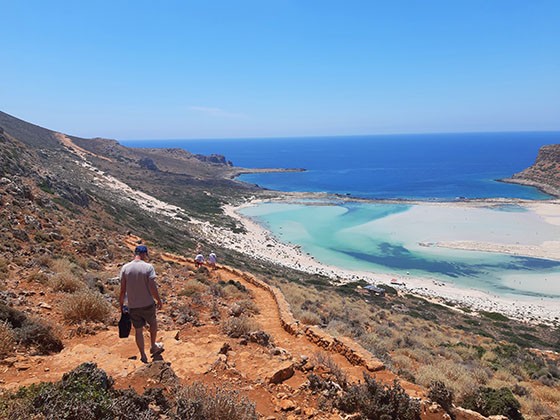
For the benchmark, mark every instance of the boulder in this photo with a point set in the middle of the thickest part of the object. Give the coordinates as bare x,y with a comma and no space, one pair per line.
283,372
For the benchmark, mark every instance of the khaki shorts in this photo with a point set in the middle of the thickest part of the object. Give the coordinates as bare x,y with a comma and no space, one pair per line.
141,316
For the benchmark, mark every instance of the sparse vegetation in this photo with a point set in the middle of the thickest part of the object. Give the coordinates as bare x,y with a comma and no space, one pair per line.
66,282
7,339
239,327
203,402
87,305
401,332
338,375
439,393
373,400
4,268
489,402
87,393
30,332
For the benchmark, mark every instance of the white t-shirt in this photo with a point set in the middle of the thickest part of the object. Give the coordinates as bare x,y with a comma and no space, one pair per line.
212,258
199,258
137,274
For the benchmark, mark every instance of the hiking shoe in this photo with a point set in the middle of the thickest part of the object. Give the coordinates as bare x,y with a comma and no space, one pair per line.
158,350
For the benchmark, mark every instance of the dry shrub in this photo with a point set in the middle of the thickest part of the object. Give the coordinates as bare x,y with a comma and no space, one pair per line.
309,318
537,409
38,277
7,340
44,261
62,265
403,362
87,305
337,328
232,292
4,268
547,394
239,327
192,286
199,401
248,306
323,359
459,378
66,281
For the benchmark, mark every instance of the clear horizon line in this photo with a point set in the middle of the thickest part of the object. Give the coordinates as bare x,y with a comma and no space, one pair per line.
345,135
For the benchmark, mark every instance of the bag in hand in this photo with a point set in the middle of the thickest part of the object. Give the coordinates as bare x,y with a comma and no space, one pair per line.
124,325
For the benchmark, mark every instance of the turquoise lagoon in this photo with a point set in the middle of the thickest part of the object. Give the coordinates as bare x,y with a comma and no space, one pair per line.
385,238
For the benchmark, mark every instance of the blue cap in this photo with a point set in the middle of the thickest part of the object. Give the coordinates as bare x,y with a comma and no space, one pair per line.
141,249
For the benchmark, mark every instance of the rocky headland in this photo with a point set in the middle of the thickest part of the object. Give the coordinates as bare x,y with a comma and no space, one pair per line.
544,174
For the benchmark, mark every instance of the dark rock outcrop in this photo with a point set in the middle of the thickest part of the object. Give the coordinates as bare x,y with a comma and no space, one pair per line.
147,163
214,158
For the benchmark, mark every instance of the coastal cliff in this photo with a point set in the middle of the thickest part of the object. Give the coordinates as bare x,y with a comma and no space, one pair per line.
544,174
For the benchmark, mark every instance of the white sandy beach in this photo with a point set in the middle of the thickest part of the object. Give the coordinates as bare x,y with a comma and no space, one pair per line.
261,244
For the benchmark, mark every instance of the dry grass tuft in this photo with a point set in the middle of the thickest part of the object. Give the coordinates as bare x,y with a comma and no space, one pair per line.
66,282
459,378
38,277
7,340
248,306
88,305
309,318
193,286
239,327
232,292
201,401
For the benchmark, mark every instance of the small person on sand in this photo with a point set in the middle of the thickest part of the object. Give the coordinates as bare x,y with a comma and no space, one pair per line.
199,260
212,260
138,284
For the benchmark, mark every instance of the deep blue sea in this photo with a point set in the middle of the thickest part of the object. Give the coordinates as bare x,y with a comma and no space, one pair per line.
416,166
389,238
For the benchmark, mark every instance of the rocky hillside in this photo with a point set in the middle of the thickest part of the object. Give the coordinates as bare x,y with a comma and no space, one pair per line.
544,173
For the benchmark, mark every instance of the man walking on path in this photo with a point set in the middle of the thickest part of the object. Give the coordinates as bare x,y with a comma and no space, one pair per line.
212,260
138,284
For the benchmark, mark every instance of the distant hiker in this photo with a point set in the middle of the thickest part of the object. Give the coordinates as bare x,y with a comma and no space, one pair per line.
138,284
199,260
212,260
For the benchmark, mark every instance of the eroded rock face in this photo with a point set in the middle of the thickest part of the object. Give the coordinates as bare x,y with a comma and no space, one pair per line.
545,170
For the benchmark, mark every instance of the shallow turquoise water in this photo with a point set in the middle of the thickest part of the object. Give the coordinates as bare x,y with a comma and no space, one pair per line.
385,238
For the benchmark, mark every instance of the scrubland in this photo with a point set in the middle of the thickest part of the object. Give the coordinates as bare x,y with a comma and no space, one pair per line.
426,342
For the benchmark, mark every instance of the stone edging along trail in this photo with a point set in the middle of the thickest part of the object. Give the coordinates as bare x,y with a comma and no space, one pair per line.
352,351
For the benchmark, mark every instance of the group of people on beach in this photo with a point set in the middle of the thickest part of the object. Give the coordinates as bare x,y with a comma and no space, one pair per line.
139,298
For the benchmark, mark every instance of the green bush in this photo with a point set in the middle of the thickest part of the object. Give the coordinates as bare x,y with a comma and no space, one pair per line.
496,316
376,401
490,402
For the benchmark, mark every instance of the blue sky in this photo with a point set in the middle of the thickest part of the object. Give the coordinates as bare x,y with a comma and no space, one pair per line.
197,69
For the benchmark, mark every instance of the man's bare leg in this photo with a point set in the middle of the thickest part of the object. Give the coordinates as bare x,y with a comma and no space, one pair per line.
140,343
153,335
